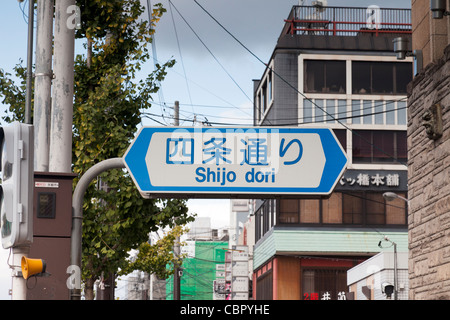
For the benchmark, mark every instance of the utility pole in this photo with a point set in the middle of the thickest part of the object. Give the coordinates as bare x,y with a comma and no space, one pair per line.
42,84
29,62
176,250
60,157
19,286
177,114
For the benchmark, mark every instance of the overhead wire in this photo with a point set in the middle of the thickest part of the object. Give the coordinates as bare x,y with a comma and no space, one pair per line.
302,120
179,51
210,52
155,57
231,105
289,84
382,102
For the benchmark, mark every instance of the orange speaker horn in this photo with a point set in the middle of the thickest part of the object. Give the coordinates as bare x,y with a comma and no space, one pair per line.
32,267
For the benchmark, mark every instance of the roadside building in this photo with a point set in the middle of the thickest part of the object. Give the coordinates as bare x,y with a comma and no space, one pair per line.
335,67
202,270
373,279
428,154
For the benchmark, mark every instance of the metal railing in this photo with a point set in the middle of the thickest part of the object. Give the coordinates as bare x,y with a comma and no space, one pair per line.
348,21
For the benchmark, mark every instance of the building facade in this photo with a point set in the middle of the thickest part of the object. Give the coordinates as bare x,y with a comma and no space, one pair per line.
372,279
429,157
200,270
335,67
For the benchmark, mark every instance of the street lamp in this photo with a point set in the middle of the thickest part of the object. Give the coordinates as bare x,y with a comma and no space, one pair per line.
438,9
391,196
395,266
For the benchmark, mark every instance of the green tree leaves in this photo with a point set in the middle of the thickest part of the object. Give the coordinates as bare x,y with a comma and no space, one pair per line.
153,258
108,104
108,101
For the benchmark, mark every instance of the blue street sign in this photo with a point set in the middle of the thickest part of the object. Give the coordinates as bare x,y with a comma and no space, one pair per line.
232,162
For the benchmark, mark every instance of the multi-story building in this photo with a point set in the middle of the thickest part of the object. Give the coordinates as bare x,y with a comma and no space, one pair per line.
203,265
335,67
428,154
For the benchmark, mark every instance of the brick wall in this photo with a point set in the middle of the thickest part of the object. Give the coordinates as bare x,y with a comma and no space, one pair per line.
429,185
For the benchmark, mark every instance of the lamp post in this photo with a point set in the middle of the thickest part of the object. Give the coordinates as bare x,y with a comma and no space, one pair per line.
395,266
390,196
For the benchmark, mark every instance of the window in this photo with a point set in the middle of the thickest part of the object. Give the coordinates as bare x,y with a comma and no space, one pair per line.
352,208
341,135
320,110
319,281
331,209
378,146
264,218
370,208
289,211
310,211
395,211
380,77
324,76
299,211
375,205
378,112
366,208
264,96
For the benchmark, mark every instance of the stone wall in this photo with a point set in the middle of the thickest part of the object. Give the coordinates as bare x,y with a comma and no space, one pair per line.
430,36
429,185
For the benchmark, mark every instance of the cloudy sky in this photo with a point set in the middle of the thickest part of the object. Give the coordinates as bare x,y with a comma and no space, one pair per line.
212,78
218,69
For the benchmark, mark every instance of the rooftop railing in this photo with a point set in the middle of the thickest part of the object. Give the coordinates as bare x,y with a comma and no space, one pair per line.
348,21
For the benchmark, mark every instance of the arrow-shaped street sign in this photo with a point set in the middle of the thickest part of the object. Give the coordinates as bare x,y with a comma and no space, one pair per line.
232,162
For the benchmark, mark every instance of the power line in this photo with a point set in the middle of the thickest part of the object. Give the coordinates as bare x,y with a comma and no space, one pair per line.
291,86
211,53
210,92
179,50
154,53
302,120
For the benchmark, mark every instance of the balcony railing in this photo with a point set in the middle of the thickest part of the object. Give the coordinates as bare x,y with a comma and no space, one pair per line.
340,21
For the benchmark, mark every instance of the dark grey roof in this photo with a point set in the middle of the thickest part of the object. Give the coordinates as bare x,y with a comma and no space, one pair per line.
346,43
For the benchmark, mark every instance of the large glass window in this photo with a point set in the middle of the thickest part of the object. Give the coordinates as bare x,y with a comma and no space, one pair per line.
373,77
370,208
289,211
352,208
332,209
378,146
299,211
310,211
325,76
375,209
320,110
395,211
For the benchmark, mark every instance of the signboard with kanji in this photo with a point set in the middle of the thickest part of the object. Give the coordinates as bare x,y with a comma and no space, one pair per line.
227,162
373,180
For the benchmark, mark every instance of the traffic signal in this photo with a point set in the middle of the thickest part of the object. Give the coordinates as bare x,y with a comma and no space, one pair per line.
16,190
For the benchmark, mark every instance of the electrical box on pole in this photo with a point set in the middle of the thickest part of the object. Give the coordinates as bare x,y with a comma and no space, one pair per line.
16,190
